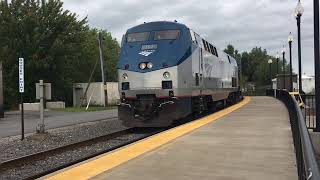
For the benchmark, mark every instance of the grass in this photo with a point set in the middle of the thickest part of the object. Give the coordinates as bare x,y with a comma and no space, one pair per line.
83,109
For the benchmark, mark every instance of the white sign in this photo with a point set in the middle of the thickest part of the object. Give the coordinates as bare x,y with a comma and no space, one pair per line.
46,91
146,52
21,75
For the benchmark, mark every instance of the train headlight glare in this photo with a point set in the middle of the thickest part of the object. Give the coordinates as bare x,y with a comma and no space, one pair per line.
142,65
166,75
125,76
149,65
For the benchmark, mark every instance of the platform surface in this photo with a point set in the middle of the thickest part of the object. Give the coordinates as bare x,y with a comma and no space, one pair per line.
253,142
250,140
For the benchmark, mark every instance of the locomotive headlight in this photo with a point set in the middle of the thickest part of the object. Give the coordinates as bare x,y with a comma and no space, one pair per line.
125,76
142,66
166,75
149,65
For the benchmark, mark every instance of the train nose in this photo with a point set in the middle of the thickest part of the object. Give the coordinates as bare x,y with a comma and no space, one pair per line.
145,105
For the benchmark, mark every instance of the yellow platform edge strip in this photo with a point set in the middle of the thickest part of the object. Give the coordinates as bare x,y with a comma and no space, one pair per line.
110,160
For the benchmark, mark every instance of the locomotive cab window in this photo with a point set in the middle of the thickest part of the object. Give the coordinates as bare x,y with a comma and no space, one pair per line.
167,35
138,37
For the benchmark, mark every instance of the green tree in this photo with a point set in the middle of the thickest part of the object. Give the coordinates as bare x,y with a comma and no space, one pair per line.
255,67
233,52
56,46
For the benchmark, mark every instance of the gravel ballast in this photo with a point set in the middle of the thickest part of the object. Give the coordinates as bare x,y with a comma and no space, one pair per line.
13,147
39,166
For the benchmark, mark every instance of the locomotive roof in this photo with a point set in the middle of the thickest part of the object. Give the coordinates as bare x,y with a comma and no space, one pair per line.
157,25
164,25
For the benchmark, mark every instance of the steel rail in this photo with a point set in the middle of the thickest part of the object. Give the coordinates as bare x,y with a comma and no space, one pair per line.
60,149
18,162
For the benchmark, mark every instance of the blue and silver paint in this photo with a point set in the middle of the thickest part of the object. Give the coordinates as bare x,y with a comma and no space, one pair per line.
194,72
160,52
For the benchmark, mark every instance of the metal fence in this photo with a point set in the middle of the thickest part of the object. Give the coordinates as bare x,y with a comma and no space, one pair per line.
309,110
307,166
259,91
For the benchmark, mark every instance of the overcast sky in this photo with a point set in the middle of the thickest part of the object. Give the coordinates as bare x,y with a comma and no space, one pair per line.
242,23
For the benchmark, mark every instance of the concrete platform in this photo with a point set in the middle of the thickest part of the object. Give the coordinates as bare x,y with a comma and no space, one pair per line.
253,142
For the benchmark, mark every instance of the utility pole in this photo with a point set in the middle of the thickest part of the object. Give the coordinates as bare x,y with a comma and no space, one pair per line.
240,72
270,71
100,39
299,54
284,67
317,61
277,57
241,78
290,40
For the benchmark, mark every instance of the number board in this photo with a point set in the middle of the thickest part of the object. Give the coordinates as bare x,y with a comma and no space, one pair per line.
21,75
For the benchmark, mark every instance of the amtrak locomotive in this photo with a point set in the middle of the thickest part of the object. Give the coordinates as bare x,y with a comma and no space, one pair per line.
167,71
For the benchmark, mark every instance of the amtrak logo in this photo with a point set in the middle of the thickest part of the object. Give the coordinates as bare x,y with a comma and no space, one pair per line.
146,52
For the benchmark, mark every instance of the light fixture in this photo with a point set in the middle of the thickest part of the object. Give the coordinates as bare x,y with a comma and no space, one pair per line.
166,75
290,38
283,50
299,10
270,61
149,65
142,66
125,76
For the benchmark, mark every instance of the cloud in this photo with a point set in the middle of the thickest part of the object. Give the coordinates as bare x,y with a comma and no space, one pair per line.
242,23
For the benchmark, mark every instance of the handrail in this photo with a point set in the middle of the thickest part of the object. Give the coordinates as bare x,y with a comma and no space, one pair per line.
311,164
307,166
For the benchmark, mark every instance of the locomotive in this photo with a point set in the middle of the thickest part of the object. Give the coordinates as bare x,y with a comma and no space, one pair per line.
167,71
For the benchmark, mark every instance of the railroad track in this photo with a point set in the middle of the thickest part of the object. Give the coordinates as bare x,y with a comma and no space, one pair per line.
30,159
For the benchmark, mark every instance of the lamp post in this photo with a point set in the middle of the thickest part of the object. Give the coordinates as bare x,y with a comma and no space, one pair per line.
317,61
298,13
270,72
284,66
277,75
290,40
277,57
